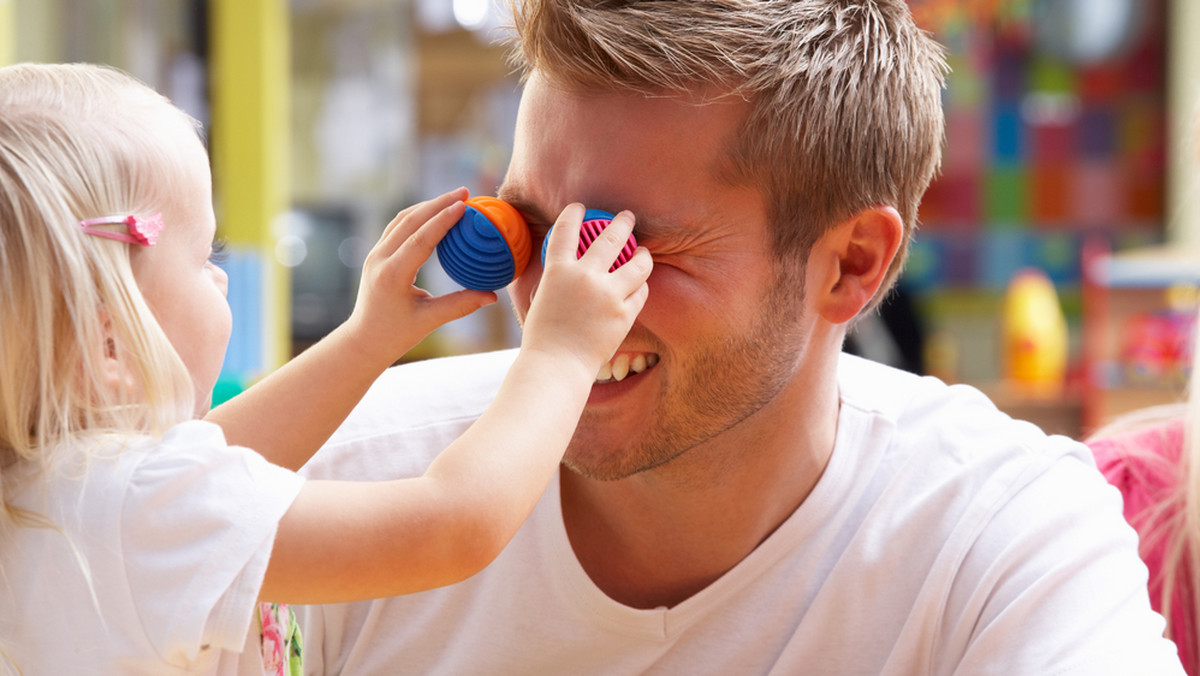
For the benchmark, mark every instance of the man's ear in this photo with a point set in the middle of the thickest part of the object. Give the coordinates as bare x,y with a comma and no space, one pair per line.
856,255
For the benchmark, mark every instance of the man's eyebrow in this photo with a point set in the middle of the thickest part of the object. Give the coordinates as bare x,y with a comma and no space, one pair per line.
647,227
528,209
656,228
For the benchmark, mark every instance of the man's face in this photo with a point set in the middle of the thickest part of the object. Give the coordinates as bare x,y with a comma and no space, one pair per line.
719,330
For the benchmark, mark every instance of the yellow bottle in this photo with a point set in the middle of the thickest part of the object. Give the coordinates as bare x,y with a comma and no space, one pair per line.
1034,335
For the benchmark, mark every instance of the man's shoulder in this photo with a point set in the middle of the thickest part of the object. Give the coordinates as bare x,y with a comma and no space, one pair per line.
410,414
418,393
959,421
894,393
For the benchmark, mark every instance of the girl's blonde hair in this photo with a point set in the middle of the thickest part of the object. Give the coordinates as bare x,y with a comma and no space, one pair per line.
81,354
1178,519
1180,564
1172,523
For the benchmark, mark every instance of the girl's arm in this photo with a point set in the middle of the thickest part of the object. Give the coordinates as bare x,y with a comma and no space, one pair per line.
290,413
343,541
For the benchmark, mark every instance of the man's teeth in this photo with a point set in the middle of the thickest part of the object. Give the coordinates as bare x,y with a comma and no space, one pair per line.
619,367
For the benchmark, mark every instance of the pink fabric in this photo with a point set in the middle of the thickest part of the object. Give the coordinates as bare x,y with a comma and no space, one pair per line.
1144,465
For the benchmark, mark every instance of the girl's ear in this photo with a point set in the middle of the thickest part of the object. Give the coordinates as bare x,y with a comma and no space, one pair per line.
856,255
113,369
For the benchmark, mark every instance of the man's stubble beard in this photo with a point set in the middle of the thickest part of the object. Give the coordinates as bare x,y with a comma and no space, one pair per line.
721,385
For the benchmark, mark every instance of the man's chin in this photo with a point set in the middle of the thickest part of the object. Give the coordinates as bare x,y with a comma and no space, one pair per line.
617,459
600,462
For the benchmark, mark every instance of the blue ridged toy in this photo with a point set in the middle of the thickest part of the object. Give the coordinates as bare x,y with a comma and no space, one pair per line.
488,247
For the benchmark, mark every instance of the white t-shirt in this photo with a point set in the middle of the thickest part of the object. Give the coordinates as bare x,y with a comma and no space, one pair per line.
174,535
942,538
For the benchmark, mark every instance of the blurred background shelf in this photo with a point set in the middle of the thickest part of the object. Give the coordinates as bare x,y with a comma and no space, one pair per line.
1139,321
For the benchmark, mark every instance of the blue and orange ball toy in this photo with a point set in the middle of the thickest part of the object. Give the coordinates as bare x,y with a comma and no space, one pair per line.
490,245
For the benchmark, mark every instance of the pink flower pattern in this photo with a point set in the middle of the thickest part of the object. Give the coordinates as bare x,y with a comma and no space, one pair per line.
280,640
146,230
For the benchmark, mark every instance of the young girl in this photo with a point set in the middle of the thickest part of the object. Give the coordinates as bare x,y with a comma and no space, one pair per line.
133,537
1153,456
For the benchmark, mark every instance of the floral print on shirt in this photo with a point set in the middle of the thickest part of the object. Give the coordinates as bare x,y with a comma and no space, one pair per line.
279,635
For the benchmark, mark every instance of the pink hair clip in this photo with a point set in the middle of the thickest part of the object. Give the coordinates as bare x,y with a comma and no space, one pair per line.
142,231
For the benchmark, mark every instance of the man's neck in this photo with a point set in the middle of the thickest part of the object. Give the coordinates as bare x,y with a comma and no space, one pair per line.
658,537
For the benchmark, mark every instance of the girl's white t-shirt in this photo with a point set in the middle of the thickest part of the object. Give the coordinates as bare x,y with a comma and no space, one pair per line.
151,559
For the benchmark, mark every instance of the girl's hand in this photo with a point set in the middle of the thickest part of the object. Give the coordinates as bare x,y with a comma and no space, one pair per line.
391,313
579,308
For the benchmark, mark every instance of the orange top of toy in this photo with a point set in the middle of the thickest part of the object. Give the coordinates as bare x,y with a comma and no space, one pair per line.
510,224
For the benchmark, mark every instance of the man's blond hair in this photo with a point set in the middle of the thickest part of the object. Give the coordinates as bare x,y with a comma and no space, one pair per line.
845,95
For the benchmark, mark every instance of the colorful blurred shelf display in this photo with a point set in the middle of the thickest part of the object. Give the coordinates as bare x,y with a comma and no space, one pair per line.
1140,317
1046,149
